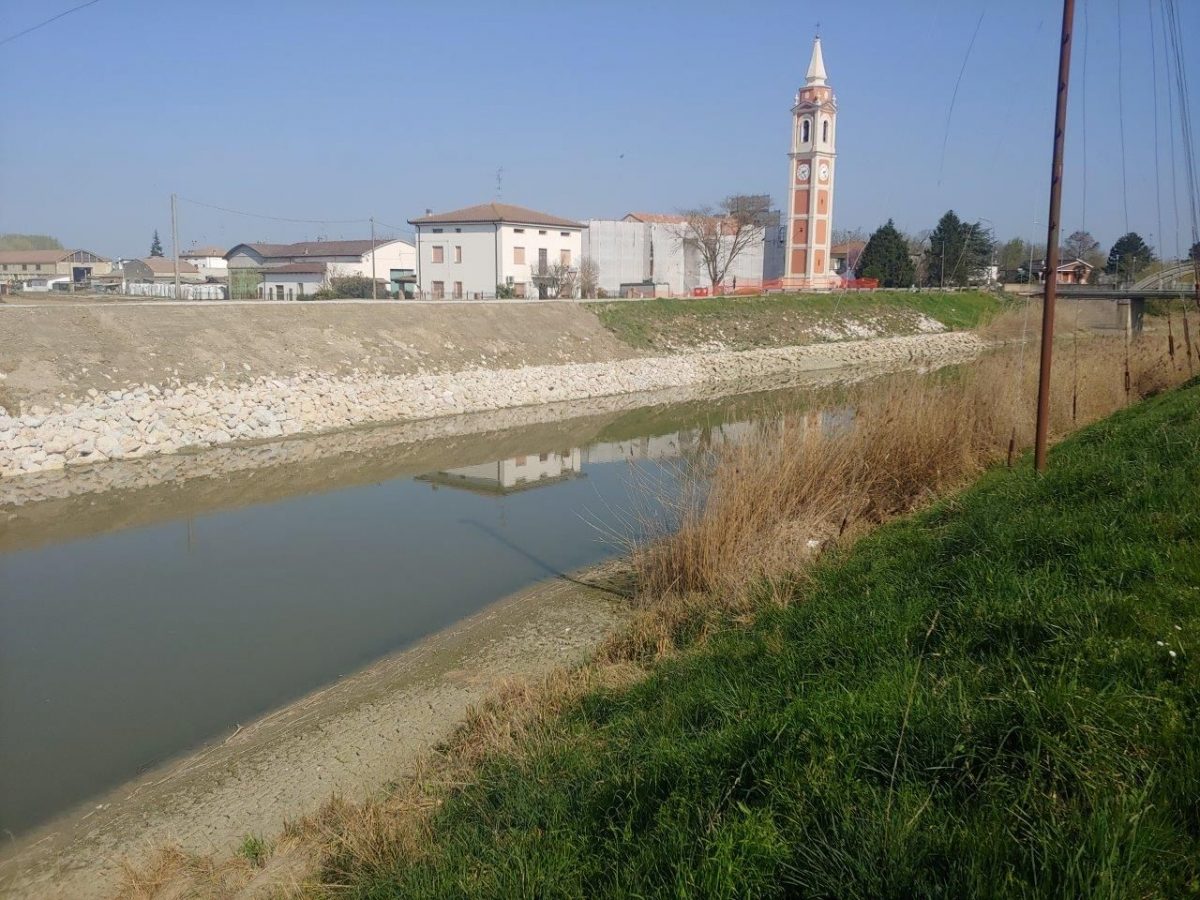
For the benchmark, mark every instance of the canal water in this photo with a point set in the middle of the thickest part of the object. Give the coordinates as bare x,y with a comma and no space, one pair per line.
138,624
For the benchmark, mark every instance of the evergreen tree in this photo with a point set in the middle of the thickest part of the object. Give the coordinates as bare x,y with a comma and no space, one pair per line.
886,257
1128,256
1194,253
957,251
156,245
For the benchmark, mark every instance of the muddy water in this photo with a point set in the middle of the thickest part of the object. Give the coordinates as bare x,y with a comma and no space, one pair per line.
138,623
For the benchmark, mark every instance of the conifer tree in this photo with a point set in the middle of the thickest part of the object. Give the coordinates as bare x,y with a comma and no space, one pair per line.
156,245
886,258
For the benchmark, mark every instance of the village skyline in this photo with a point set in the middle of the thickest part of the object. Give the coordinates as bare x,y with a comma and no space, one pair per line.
305,125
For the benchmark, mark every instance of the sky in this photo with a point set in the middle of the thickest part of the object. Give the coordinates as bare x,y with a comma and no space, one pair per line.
324,111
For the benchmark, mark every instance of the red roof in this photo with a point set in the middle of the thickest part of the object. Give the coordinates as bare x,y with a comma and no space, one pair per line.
495,213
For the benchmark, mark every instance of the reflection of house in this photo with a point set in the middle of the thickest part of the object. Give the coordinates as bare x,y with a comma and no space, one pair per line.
250,265
507,476
41,270
1075,271
654,248
468,253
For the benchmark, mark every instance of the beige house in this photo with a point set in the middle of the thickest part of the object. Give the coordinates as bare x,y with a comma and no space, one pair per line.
469,253
41,270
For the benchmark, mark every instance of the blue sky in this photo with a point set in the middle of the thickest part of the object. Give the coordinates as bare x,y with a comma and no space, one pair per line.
317,110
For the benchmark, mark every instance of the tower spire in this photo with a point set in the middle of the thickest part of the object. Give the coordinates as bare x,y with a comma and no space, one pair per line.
816,67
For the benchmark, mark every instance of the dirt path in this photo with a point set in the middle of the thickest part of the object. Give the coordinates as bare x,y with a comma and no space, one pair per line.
346,739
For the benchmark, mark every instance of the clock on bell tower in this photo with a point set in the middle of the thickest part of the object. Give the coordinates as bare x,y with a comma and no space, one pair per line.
810,193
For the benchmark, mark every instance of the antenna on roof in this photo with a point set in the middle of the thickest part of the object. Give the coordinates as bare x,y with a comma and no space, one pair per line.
500,183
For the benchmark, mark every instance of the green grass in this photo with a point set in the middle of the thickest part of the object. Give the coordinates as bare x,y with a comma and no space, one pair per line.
972,702
777,318
255,849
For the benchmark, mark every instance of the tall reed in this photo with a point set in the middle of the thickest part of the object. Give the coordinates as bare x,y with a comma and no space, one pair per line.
757,509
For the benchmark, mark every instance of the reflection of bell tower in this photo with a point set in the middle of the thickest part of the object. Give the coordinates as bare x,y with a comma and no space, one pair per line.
810,203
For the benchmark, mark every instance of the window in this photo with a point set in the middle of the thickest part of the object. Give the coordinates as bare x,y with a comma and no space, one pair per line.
518,256
519,460
458,231
564,234
291,296
300,289
543,457
543,231
805,131
439,253
279,292
439,290
37,267
457,253
24,267
518,231
437,231
458,290
825,131
564,257
543,259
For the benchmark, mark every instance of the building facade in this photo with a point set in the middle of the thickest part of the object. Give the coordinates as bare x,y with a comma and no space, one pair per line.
41,270
210,261
392,261
811,179
495,248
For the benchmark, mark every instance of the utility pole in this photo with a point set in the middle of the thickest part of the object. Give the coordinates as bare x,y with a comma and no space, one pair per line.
175,244
943,285
374,292
1052,225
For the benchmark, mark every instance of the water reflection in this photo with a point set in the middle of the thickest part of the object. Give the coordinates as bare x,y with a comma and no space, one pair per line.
137,624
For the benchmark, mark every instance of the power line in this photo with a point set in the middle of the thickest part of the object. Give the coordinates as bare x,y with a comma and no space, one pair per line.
238,212
954,95
31,28
1121,115
1154,100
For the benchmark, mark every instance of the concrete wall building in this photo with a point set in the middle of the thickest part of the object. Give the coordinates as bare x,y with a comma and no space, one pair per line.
652,248
466,253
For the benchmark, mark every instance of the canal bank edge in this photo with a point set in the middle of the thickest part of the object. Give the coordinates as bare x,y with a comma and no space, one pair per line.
346,739
148,420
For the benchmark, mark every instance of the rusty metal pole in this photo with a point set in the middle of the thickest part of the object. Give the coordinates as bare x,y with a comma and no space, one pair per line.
1052,225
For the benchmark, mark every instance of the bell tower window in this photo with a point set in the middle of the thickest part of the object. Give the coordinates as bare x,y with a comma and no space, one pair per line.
805,131
825,132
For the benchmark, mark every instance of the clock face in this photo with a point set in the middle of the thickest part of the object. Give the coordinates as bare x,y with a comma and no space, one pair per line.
802,172
823,172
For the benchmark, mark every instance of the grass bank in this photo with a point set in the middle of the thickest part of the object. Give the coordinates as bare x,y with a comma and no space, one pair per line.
997,696
779,320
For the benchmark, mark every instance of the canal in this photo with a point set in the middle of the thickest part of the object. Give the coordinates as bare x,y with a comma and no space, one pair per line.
138,623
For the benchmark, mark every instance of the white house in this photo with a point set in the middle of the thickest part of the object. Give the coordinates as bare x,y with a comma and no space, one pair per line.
469,253
393,261
210,261
294,281
652,248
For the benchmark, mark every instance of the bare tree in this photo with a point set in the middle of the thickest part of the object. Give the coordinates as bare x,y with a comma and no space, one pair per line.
554,280
849,235
589,277
720,235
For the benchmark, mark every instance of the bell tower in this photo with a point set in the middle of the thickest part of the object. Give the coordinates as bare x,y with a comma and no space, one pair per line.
810,175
